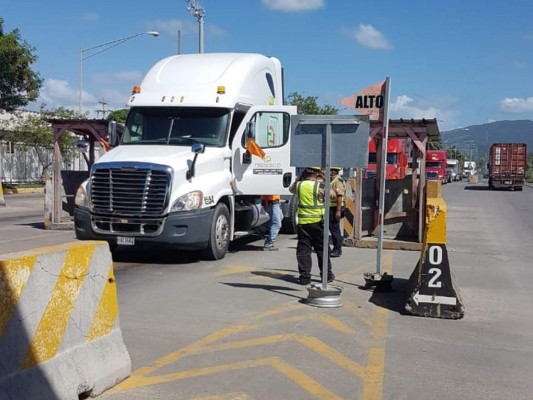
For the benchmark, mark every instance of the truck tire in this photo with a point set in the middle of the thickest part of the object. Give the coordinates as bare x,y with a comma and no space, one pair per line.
490,184
290,216
218,244
518,188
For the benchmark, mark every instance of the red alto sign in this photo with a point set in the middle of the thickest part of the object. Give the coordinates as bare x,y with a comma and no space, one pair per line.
369,101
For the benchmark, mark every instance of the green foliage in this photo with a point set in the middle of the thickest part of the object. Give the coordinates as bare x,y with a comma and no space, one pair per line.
308,105
19,84
32,131
118,116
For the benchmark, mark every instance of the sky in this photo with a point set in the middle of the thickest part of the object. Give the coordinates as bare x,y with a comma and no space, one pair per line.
463,62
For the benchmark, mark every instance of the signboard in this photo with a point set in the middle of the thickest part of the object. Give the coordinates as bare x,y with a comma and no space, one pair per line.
342,140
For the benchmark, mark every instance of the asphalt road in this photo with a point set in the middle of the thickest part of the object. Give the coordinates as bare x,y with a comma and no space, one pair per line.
238,328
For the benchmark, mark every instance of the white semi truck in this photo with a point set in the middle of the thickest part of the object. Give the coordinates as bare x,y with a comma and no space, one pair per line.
184,174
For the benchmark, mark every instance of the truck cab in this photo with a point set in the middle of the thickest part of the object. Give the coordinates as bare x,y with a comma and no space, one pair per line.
436,163
206,135
396,159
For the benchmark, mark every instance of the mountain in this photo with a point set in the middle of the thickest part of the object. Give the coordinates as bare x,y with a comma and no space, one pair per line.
476,139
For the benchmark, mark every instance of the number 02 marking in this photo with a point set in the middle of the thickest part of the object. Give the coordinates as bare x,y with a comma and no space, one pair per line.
435,258
433,281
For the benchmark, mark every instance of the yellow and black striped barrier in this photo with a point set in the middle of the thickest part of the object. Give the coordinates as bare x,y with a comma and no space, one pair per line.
433,292
349,212
59,327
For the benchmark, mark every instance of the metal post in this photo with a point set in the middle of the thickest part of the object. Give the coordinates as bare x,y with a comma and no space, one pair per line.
327,200
381,217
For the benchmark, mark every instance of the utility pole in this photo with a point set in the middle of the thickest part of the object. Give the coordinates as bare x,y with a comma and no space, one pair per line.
103,110
196,9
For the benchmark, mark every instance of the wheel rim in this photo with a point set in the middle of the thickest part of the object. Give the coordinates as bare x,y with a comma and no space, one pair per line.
221,232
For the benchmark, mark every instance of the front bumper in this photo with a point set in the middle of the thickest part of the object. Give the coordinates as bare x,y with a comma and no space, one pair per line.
188,230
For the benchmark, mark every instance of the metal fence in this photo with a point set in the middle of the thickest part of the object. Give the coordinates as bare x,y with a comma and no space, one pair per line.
28,166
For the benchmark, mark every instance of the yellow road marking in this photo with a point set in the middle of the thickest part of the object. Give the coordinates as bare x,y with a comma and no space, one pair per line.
372,374
228,396
300,378
54,321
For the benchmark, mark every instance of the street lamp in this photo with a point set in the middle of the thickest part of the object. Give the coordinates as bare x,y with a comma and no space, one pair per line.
196,9
103,47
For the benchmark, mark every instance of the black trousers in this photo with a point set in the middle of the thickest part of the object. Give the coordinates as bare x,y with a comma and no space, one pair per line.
335,230
310,236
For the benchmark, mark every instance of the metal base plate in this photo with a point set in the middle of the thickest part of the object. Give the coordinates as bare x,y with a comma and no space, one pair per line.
320,297
381,282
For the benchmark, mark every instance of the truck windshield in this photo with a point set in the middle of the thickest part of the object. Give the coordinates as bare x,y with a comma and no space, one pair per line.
392,158
433,164
176,126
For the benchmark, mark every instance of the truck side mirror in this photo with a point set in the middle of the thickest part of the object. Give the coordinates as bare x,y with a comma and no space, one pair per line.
196,148
250,130
112,132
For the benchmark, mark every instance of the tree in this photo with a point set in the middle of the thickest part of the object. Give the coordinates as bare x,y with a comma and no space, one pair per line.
19,84
308,105
33,131
118,115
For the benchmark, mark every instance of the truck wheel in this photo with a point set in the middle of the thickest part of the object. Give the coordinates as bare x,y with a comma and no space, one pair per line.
290,219
490,184
218,234
518,188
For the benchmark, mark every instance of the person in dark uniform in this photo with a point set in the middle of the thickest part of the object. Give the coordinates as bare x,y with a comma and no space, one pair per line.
309,187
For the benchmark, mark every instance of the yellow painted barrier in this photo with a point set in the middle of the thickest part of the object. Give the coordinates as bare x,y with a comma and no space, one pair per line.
433,291
59,328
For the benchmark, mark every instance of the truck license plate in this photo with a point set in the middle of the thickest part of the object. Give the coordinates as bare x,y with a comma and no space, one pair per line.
126,240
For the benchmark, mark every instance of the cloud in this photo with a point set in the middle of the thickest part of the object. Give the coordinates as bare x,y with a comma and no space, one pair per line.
515,105
293,5
368,36
58,93
440,109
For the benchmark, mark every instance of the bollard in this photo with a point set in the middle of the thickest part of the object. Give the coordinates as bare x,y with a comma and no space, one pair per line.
432,289
59,329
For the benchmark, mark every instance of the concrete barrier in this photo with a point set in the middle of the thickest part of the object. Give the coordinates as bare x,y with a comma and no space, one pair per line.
2,200
59,328
433,291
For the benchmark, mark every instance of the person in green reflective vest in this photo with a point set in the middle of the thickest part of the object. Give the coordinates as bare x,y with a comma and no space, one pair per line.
309,187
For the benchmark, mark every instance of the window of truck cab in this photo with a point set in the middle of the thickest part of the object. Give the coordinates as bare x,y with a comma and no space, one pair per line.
271,129
177,126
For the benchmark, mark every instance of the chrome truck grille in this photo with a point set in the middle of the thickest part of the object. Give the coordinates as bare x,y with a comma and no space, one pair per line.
130,191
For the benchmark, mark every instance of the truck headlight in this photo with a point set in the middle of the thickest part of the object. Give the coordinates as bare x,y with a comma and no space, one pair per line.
81,199
187,202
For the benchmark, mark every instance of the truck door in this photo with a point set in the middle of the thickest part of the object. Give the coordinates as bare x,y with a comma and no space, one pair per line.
269,128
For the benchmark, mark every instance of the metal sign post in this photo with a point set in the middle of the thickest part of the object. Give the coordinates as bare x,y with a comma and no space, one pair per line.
321,140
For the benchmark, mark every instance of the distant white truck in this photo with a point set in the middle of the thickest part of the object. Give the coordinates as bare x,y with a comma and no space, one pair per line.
184,174
469,169
453,170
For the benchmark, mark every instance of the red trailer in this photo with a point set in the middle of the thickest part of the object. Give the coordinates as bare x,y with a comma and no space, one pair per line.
396,159
507,165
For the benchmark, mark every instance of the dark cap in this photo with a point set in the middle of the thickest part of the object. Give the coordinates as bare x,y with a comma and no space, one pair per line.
335,168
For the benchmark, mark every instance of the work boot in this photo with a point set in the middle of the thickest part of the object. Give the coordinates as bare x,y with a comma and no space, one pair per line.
269,247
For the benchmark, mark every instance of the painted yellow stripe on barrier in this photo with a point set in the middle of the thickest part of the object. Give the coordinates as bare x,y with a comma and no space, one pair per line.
53,324
106,314
436,211
13,277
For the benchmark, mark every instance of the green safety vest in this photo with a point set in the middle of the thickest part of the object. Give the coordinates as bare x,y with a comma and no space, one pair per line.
310,208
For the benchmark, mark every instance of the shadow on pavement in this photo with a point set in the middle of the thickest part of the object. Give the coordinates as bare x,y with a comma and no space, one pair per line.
477,187
393,300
